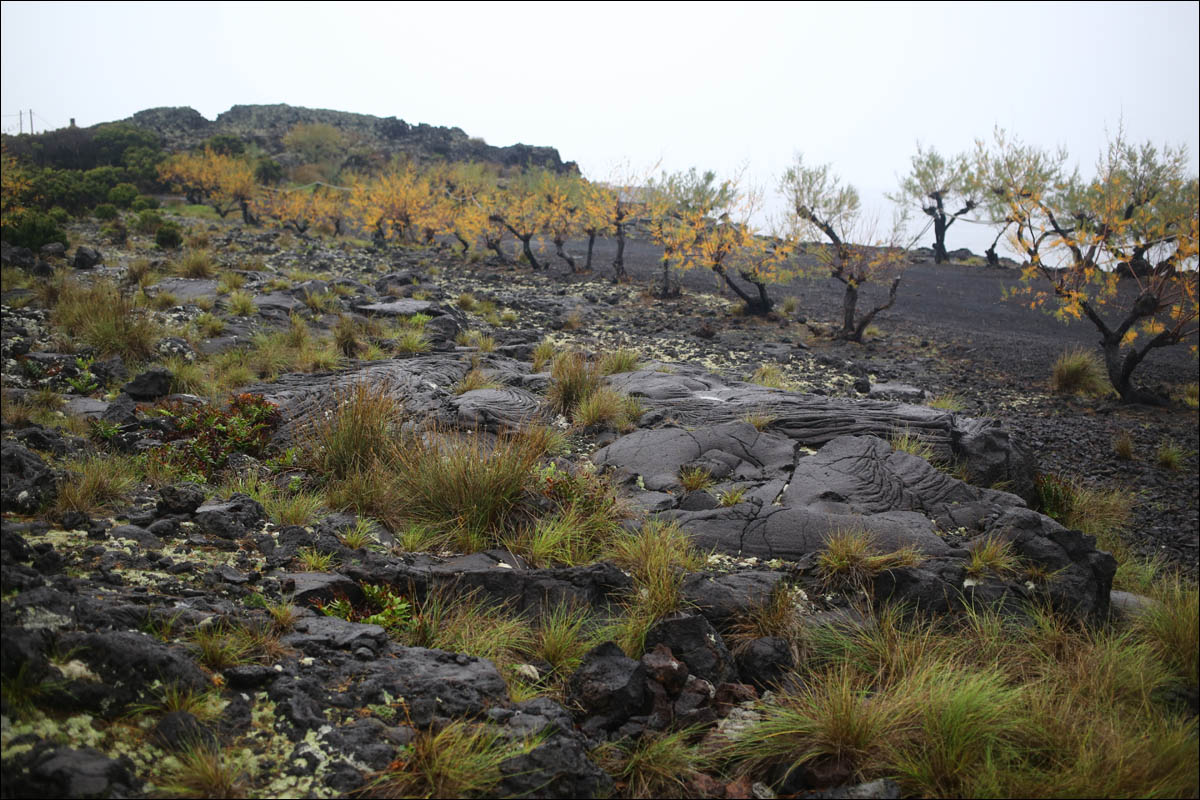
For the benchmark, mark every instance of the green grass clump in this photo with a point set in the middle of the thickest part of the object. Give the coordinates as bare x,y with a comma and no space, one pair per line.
543,355
658,556
695,479
465,485
96,482
477,339
655,764
573,379
992,555
1080,372
986,705
475,379
623,359
412,341
759,419
462,759
355,435
104,318
607,406
1168,455
230,282
770,375
947,401
201,769
906,441
195,264
222,645
851,558
1123,446
209,325
241,304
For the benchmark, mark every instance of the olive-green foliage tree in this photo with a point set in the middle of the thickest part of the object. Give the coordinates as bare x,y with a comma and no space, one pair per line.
933,183
823,206
1118,249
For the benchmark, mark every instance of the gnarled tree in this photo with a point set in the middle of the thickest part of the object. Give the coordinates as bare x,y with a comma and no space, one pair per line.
1119,249
825,208
934,183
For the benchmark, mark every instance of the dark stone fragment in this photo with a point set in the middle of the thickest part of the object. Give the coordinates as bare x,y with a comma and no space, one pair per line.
150,384
664,668
317,634
138,534
230,519
300,702
86,257
178,730
697,644
365,739
121,411
724,599
26,482
71,772
308,588
608,685
74,521
164,528
249,676
130,664
181,498
731,694
766,661
558,768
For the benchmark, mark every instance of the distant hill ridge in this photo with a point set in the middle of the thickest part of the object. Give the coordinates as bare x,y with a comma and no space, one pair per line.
266,125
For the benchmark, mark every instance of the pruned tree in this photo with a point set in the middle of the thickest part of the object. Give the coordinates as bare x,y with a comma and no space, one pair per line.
824,207
520,210
1008,170
1118,249
562,212
936,184
224,182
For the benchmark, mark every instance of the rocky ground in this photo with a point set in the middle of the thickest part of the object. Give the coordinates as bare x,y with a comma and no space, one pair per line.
179,589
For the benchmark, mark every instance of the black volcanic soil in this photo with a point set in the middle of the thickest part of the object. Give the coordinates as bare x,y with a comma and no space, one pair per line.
950,330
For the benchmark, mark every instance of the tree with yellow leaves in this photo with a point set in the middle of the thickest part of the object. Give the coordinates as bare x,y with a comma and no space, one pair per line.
1119,249
562,213
856,255
224,182
520,209
397,204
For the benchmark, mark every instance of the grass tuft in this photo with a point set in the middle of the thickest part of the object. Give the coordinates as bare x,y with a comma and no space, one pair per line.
851,559
1080,372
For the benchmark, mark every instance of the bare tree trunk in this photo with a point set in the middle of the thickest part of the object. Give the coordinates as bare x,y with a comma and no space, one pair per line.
587,267
758,306
564,255
619,261
861,327
528,250
466,246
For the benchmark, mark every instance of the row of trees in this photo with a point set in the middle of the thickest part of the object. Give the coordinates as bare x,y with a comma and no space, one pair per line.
1135,217
1117,248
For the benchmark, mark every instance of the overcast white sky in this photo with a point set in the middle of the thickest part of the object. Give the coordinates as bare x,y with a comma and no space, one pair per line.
713,85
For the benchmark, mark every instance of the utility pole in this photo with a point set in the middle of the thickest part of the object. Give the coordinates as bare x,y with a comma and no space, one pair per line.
20,122
31,122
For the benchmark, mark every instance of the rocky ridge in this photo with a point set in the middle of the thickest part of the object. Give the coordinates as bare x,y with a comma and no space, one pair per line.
266,125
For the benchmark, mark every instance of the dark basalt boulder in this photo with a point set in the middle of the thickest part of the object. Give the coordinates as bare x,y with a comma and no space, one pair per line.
130,665
725,599
87,257
58,771
608,688
766,662
180,498
695,642
559,767
150,384
26,481
433,683
230,519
